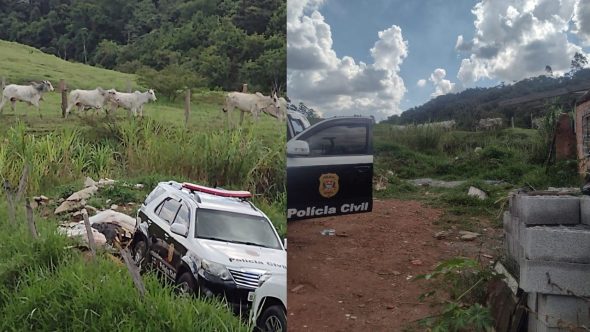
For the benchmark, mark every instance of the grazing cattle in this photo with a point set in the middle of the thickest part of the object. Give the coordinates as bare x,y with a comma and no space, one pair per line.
132,101
86,99
446,125
247,102
277,112
488,124
30,94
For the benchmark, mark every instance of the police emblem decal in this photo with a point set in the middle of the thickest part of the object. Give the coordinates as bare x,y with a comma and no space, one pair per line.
329,185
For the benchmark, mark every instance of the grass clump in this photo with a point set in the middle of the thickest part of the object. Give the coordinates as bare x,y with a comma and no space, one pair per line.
44,286
465,280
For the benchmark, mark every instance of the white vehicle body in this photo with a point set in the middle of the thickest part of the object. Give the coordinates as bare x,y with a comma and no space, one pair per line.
218,265
272,292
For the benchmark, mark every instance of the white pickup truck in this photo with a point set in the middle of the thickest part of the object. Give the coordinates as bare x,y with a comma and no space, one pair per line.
329,166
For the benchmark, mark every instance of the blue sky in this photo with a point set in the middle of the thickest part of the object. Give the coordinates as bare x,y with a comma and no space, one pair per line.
431,28
366,56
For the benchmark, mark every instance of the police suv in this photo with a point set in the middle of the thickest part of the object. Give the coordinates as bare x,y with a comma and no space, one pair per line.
329,166
209,242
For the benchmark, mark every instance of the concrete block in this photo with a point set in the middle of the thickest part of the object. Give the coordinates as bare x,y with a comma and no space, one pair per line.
554,277
585,210
563,311
558,244
507,222
548,210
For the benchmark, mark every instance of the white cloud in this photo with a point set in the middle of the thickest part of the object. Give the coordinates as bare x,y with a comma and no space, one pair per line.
441,86
517,39
421,83
582,21
341,85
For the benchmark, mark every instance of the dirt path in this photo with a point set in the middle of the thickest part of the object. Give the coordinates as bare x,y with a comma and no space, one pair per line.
358,280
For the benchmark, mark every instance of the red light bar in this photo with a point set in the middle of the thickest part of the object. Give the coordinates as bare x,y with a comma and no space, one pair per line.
217,192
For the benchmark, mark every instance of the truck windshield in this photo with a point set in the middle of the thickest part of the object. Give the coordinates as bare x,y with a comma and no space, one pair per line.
235,228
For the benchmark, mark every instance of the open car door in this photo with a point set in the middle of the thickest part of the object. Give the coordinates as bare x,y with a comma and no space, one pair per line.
330,169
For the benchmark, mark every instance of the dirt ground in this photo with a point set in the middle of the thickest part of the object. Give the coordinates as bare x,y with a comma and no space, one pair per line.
359,279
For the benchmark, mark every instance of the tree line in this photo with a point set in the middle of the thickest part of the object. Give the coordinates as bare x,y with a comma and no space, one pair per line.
217,44
470,105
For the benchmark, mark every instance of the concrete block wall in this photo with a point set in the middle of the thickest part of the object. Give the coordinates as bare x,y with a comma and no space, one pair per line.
549,238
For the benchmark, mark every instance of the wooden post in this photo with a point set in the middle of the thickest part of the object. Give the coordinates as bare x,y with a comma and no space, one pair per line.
64,97
244,88
30,219
532,124
512,122
12,197
128,86
187,106
89,233
133,270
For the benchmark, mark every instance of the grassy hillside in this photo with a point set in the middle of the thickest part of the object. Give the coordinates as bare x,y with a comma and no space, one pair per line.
25,64
470,105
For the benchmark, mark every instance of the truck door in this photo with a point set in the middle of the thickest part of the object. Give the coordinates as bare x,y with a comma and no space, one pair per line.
160,232
330,169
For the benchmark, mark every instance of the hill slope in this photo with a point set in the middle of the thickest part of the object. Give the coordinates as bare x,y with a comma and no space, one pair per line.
22,64
25,64
468,106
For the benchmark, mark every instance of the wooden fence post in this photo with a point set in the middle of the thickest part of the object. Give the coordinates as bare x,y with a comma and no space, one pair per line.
89,233
133,270
13,196
244,88
128,86
64,97
512,122
30,219
187,106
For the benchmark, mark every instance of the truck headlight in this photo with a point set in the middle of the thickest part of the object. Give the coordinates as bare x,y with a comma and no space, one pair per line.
215,269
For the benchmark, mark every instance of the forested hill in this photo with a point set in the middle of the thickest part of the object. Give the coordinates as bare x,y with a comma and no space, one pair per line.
201,43
470,105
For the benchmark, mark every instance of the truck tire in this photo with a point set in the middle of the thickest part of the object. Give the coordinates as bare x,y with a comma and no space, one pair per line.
273,319
186,284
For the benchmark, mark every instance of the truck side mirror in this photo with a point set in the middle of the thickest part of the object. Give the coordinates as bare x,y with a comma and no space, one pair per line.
297,148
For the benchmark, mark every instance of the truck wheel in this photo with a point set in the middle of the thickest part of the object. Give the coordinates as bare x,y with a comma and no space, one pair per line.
273,319
140,254
186,284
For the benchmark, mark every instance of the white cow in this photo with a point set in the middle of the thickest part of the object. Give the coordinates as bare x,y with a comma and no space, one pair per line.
247,102
491,123
30,94
132,101
86,99
277,112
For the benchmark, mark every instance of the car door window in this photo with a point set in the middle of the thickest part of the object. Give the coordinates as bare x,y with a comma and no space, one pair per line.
183,216
297,126
168,210
339,140
153,195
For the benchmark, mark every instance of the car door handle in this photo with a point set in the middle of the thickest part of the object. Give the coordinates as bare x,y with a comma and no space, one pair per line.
362,169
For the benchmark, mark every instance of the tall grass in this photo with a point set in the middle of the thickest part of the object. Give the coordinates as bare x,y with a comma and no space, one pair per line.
232,158
53,158
513,155
44,286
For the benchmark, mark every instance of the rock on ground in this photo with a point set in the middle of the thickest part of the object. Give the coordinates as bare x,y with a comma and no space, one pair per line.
109,216
69,206
476,192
